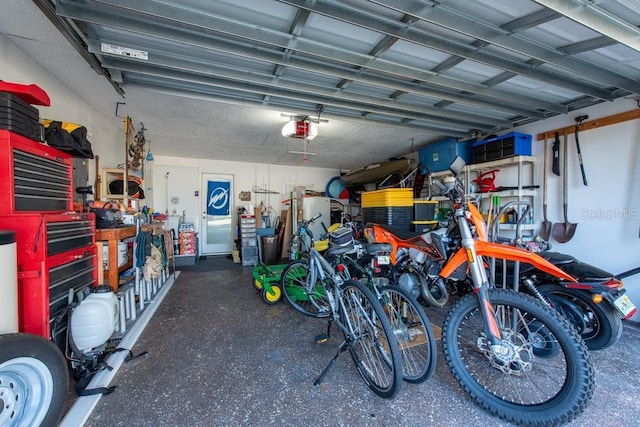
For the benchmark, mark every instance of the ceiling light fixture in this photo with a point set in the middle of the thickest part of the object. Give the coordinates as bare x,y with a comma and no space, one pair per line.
301,129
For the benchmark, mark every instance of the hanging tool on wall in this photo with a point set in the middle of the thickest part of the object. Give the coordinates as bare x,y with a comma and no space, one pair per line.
555,149
564,231
97,184
579,121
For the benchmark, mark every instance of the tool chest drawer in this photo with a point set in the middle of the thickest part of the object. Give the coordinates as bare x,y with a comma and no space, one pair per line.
33,177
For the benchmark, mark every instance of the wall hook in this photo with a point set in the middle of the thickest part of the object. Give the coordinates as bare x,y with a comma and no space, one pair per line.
118,104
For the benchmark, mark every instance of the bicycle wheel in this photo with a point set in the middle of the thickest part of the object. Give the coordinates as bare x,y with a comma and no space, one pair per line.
540,374
372,344
308,298
412,329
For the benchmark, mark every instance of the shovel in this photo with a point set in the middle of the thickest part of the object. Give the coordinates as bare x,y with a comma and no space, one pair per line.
563,232
545,227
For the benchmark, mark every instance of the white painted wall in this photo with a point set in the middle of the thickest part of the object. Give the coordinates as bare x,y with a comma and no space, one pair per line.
185,176
107,140
607,211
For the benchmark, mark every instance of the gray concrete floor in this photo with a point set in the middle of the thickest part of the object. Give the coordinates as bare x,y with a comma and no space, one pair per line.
219,356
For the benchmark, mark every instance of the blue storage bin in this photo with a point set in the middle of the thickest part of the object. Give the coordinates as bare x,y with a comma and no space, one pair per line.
438,156
502,147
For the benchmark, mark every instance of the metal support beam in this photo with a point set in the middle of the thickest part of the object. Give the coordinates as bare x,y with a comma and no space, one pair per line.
437,86
593,16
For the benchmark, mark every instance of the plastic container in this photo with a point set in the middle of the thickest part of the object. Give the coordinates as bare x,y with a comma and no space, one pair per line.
270,249
123,254
502,147
438,156
95,319
8,282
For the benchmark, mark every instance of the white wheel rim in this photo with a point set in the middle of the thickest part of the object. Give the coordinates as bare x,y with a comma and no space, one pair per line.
26,391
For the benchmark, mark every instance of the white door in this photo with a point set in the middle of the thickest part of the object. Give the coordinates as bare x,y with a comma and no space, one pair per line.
217,221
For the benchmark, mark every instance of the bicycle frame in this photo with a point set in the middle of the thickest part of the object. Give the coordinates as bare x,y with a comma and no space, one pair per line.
320,268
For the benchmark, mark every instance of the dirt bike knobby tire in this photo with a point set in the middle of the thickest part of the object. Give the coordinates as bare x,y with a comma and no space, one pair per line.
607,324
565,405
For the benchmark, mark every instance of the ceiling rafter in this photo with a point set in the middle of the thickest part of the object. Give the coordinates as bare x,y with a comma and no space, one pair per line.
202,72
591,15
167,88
295,30
478,95
338,10
442,16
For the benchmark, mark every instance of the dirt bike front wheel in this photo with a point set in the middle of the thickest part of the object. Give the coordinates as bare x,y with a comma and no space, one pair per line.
516,380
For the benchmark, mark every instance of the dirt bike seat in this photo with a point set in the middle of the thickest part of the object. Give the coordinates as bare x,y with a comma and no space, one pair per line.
557,258
376,248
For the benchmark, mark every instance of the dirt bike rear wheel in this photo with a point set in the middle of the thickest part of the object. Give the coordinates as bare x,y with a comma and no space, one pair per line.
517,385
598,325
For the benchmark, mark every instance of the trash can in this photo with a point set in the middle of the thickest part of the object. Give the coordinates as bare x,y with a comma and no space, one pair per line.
8,282
270,249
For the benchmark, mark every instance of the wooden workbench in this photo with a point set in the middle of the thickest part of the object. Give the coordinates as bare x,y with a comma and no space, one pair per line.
113,236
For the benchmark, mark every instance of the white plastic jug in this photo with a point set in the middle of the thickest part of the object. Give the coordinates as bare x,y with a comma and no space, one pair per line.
95,319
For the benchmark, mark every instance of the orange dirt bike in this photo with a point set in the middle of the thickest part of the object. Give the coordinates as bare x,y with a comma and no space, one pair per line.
517,358
594,304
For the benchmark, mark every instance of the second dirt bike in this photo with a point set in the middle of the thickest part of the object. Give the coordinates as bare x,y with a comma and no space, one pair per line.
515,357
594,301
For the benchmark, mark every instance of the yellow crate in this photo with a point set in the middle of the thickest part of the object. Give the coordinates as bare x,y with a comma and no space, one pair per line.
390,197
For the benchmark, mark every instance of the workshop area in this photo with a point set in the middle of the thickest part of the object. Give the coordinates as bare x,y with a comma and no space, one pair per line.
285,212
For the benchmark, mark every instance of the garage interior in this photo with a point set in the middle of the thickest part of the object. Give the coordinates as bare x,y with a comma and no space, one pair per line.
196,92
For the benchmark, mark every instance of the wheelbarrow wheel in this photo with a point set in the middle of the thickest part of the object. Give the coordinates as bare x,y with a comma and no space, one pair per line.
273,296
258,284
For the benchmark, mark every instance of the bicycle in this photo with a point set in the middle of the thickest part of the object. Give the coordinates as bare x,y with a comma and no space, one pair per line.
411,326
366,329
410,323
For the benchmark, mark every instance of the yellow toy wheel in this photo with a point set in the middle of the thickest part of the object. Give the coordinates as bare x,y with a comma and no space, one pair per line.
258,284
273,296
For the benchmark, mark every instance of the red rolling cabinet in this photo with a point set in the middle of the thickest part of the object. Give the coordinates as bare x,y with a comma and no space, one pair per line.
55,246
56,255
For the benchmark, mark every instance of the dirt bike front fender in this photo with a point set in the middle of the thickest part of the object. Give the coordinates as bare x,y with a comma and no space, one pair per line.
510,253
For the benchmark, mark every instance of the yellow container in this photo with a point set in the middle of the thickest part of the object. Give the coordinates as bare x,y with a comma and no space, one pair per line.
390,197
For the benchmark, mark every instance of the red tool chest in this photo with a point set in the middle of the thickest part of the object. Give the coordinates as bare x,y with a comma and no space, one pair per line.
34,177
56,255
55,246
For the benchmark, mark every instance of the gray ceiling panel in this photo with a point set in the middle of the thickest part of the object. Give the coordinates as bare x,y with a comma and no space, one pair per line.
433,68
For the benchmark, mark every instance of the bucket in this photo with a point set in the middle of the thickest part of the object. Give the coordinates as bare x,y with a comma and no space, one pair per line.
270,249
8,282
123,254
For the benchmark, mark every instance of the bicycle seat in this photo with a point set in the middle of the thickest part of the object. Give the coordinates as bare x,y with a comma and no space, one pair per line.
376,248
337,250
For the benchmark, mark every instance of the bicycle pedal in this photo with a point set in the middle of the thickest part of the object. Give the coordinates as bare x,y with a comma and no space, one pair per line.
321,338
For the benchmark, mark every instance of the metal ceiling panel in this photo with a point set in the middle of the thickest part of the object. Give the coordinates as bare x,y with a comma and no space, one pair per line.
433,68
